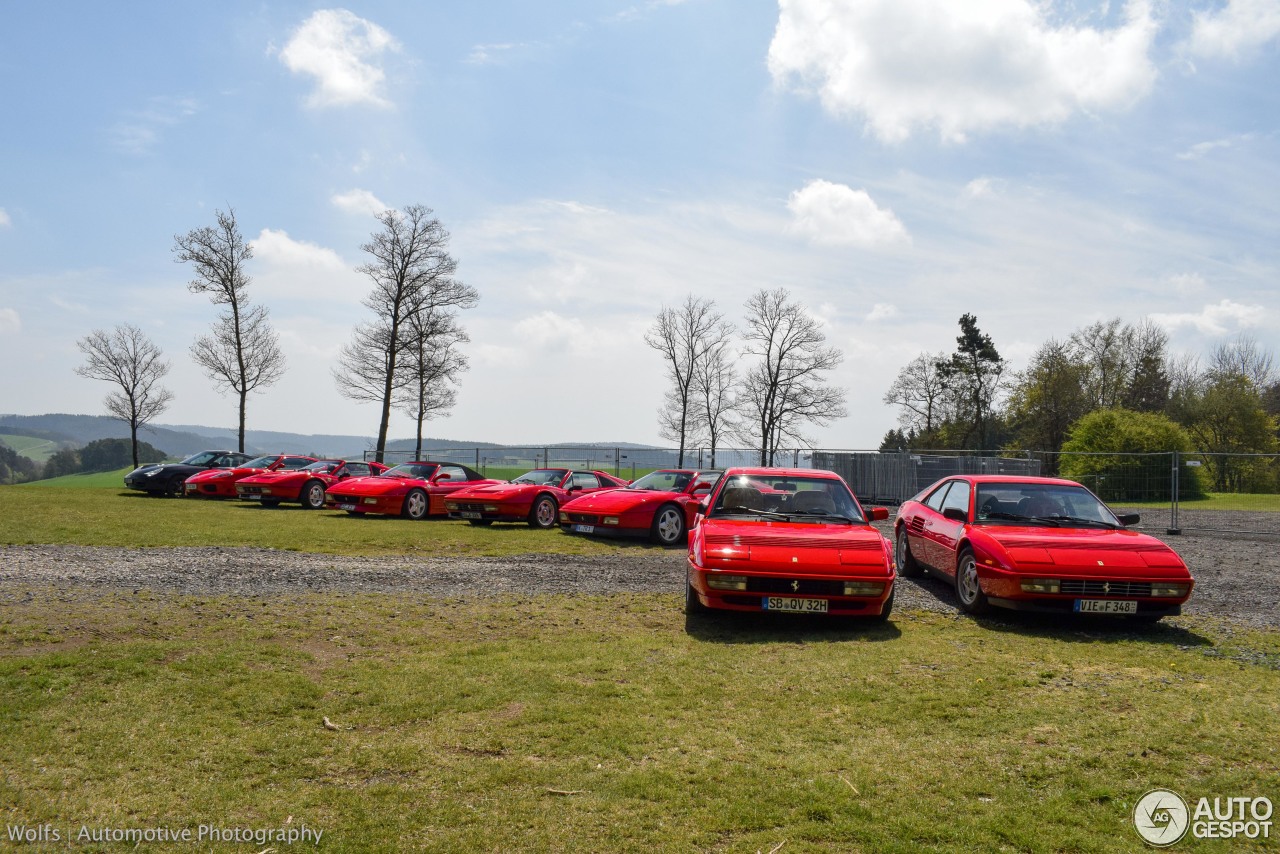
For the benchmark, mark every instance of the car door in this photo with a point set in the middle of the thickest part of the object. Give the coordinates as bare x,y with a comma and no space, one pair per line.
583,482
946,533
921,525
446,480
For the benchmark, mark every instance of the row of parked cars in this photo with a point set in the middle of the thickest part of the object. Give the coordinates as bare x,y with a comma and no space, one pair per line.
765,539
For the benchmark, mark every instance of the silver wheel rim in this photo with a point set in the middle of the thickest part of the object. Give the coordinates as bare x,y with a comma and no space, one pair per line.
546,513
417,504
901,553
315,495
669,525
968,580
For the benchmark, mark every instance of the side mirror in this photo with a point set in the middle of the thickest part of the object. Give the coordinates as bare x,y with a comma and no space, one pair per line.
701,487
955,514
443,476
701,507
573,487
877,514
1128,519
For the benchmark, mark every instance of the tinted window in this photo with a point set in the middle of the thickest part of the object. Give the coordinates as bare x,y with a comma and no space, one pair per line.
455,473
585,480
295,462
934,501
957,497
357,469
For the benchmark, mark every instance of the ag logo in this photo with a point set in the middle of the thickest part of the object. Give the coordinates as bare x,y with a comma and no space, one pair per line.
1161,817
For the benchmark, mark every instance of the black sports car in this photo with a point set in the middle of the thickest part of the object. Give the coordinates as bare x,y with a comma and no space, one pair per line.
167,478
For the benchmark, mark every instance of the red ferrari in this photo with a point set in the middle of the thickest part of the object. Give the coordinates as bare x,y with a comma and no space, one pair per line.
791,541
221,483
1037,544
534,497
661,506
305,485
413,490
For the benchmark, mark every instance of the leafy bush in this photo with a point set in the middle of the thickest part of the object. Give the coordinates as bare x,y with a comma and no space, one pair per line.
1124,455
110,454
15,468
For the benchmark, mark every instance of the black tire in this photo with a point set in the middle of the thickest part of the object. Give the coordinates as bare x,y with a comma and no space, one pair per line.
312,495
968,592
416,505
480,523
544,513
692,604
668,525
175,487
908,566
270,502
883,616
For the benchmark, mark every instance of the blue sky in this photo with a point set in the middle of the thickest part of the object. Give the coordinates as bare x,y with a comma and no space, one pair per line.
894,163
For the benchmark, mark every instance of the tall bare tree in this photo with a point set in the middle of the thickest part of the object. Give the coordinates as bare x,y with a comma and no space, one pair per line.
243,353
920,393
432,363
126,357
412,273
684,335
715,395
784,391
1243,356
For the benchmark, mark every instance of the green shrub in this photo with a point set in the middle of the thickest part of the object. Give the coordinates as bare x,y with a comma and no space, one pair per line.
1128,456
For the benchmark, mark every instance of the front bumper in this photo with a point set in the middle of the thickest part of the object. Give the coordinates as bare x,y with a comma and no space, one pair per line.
1066,605
761,587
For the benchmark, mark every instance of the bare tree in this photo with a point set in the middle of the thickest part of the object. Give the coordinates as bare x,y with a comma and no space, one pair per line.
920,393
126,357
715,395
784,391
1243,356
243,353
432,363
412,273
684,335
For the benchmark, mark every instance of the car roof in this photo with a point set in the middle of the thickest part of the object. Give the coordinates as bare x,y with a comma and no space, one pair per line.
1011,479
767,471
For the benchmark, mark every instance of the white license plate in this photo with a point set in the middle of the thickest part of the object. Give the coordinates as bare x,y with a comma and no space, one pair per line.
469,515
346,507
1106,606
584,529
801,606
191,487
252,496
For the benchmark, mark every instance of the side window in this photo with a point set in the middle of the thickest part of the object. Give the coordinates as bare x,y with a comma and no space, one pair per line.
957,497
357,469
455,473
585,480
934,501
296,462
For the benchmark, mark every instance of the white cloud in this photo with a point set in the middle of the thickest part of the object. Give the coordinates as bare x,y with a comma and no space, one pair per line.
958,67
489,54
10,323
139,130
1214,319
299,270
1187,284
358,202
1240,27
978,187
5,222
340,50
1200,149
834,215
68,305
882,311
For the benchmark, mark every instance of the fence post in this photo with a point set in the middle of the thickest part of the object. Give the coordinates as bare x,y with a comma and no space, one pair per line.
1173,506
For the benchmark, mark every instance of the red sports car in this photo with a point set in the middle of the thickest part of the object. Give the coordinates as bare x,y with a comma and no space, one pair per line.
534,497
661,506
305,485
789,541
414,490
1037,544
221,483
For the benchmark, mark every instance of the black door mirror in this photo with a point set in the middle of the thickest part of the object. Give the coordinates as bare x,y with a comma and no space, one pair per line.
955,514
1127,519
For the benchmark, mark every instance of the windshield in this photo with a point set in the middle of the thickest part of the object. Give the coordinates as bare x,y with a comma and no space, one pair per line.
322,465
795,499
674,480
1059,504
542,477
200,459
414,471
259,462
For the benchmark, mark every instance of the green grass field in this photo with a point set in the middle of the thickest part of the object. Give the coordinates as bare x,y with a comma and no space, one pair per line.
29,446
1254,503
607,724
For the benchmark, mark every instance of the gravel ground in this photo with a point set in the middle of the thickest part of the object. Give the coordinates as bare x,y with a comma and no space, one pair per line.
1238,575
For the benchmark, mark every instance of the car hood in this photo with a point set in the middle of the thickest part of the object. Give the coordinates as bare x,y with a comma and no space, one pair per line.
618,500
377,485
1084,551
791,547
218,474
498,491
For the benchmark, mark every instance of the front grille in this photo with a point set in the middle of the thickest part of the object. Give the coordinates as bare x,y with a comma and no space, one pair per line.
468,507
584,519
1078,587
251,490
803,586
343,499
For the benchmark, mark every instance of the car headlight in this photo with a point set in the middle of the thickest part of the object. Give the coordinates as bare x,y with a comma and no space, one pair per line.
153,472
491,508
564,517
1041,585
610,520
1169,590
220,474
863,588
453,505
371,501
726,582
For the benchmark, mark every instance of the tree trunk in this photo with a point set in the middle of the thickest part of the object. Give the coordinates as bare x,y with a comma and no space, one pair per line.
133,437
243,395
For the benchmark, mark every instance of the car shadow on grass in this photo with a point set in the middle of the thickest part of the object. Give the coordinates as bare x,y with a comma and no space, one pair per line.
737,627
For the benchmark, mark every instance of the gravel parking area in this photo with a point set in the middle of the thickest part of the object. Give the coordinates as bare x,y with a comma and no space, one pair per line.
1238,575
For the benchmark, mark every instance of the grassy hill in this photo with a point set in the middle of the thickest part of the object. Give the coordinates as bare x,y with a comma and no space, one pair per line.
30,446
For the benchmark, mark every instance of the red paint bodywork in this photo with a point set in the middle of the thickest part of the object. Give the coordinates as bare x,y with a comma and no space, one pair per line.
1096,560
221,483
513,501
293,485
785,558
387,495
629,511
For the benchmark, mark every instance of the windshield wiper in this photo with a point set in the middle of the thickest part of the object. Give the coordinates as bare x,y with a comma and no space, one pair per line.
1083,521
747,510
834,517
1018,517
